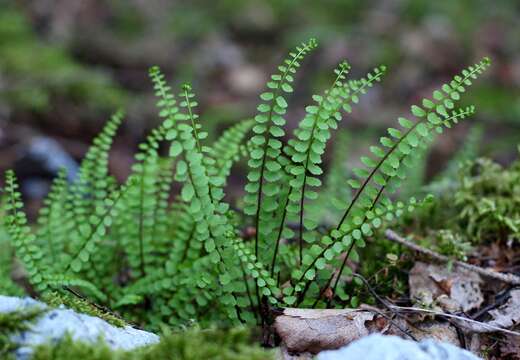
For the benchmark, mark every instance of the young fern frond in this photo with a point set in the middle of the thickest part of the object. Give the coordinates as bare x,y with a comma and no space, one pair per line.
86,196
214,182
92,232
93,180
300,150
362,222
227,149
262,188
430,118
160,241
22,239
334,195
311,138
378,196
469,150
192,172
53,230
138,207
7,257
388,169
63,281
200,191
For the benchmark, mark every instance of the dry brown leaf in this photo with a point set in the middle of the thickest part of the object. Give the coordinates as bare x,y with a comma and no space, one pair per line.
506,316
315,330
510,347
455,289
443,332
305,331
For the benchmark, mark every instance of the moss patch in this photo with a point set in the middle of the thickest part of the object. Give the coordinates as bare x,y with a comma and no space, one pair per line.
194,344
15,322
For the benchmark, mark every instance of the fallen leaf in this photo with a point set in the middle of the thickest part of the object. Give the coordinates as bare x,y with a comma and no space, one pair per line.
443,332
510,346
506,316
314,330
453,290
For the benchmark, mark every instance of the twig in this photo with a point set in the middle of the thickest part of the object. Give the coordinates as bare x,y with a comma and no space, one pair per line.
499,300
459,318
390,320
386,304
506,278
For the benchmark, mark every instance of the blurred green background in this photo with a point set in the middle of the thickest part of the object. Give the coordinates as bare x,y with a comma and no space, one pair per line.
66,65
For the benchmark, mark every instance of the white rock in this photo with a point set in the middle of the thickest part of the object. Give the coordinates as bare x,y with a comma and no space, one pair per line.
54,324
380,347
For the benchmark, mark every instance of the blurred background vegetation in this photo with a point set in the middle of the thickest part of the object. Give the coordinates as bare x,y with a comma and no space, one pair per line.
65,66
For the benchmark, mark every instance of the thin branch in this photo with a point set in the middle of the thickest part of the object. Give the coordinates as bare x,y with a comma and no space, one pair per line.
506,278
386,304
461,319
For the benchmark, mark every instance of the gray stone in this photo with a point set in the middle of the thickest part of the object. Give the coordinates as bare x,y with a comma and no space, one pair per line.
56,323
380,347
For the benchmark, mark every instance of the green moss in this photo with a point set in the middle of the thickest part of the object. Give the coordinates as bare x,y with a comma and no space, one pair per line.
12,323
489,201
193,344
56,299
481,205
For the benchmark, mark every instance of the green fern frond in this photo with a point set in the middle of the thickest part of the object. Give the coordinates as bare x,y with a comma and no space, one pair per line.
63,281
22,239
445,181
387,170
263,187
139,205
332,199
7,258
200,191
311,138
227,149
54,223
91,233
93,180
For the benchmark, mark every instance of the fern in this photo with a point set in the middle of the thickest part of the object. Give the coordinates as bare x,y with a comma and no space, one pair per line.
332,198
385,173
264,164
311,138
161,256
23,240
7,285
53,230
227,150
468,151
140,203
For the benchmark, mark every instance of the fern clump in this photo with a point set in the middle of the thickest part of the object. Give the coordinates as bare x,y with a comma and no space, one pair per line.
162,257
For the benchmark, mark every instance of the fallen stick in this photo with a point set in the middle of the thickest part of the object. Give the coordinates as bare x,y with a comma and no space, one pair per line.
506,278
461,320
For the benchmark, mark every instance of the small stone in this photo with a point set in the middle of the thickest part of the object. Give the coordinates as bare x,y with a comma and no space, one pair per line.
53,325
380,347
